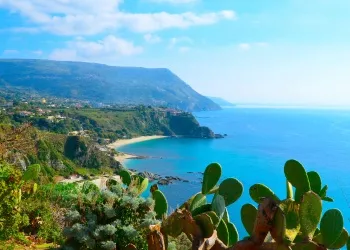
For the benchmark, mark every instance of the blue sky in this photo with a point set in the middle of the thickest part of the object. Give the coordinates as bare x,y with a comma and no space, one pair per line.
256,51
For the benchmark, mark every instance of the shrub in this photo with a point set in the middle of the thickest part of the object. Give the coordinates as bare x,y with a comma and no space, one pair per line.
11,216
109,219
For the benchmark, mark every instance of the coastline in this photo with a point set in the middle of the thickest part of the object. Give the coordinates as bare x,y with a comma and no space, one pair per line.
122,157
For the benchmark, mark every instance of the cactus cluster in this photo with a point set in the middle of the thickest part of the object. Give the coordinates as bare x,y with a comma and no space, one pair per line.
293,223
199,218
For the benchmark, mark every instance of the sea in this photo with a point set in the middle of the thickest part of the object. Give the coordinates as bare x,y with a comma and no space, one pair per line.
258,143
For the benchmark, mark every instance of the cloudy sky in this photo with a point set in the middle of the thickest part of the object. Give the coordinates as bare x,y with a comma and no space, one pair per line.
256,51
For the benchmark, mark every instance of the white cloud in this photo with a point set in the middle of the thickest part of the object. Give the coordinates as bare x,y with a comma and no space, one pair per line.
10,52
90,17
179,40
248,46
150,38
244,46
108,48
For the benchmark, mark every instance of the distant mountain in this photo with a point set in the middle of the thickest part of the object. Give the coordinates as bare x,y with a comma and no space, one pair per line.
102,83
221,102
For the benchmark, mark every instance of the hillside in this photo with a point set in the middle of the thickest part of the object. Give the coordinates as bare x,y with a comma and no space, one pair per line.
221,102
66,140
102,83
108,123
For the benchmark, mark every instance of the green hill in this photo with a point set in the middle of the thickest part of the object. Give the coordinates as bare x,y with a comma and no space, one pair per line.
102,83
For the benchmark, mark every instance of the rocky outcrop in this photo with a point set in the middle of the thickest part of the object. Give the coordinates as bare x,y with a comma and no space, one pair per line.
161,180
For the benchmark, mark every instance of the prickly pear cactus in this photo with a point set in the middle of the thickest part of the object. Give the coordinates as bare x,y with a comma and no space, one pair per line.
161,204
248,215
126,178
341,241
315,181
143,186
331,226
198,201
278,229
223,233
211,177
290,209
201,209
206,225
297,176
231,189
232,234
258,191
310,213
218,205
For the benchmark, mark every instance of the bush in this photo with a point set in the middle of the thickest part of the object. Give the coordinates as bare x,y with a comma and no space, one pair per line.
109,219
11,216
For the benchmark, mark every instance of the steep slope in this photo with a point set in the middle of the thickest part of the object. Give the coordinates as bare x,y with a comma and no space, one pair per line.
102,83
222,102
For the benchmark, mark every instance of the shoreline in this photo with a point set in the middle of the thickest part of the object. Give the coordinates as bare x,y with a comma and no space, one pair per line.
122,157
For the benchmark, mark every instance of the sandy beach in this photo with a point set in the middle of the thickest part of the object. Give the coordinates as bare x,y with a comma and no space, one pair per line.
121,157
124,142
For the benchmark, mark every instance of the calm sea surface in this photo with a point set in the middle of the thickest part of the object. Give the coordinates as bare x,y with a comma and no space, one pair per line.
259,142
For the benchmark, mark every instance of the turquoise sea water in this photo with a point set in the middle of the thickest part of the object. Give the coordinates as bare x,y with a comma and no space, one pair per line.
259,142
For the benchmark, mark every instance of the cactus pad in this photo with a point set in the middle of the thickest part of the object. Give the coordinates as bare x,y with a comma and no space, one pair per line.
231,189
258,191
297,176
218,205
126,178
143,185
248,215
331,226
161,204
223,233
279,226
341,241
226,216
205,224
198,201
211,176
232,234
315,181
289,190
323,191
201,209
290,209
310,214
214,218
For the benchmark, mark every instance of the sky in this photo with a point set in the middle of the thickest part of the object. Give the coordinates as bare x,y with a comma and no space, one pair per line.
256,51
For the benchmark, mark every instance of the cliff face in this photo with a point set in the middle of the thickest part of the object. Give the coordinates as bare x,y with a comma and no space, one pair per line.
186,125
115,124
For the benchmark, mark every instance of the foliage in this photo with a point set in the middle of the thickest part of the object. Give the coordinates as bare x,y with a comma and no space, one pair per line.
109,219
11,217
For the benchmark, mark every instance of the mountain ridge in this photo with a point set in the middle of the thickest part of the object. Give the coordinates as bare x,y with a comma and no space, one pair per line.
103,83
221,101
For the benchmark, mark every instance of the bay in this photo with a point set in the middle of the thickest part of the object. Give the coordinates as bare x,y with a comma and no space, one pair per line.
259,141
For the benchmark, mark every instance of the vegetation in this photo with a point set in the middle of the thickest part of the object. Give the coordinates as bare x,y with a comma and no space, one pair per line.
87,81
118,217
36,212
